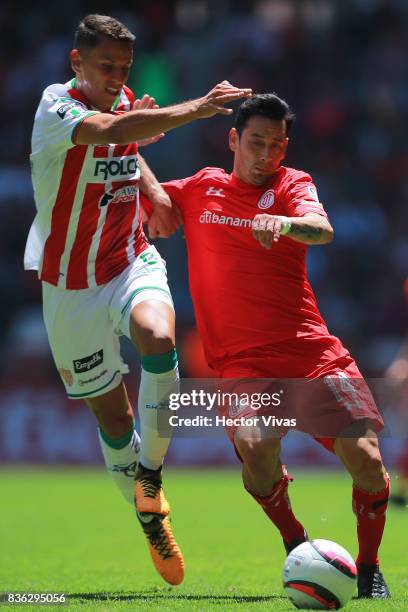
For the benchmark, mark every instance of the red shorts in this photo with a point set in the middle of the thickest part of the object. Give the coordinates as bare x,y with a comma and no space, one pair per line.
333,401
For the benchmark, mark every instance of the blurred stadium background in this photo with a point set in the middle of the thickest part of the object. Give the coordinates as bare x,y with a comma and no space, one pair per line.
343,67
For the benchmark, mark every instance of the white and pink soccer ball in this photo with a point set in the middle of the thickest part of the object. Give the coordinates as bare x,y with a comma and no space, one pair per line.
319,575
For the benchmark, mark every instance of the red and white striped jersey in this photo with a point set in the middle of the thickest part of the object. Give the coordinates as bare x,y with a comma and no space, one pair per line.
88,226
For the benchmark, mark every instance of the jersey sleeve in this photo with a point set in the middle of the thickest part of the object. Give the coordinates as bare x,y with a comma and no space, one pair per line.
56,121
301,197
178,191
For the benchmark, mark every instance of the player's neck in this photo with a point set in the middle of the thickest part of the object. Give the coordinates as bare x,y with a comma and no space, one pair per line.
77,85
244,180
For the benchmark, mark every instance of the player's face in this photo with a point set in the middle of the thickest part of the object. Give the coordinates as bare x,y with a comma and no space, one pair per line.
259,150
102,71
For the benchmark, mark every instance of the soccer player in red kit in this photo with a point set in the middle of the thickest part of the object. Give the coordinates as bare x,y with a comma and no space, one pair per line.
247,235
397,372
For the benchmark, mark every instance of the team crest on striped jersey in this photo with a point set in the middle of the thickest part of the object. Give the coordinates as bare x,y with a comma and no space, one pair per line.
266,200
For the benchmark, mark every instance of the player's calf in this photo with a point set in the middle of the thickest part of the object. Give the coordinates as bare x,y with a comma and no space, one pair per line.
371,490
121,457
362,458
120,443
260,457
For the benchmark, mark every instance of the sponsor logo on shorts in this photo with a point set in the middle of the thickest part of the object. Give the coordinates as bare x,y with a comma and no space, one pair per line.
66,376
238,407
88,363
82,382
267,199
149,258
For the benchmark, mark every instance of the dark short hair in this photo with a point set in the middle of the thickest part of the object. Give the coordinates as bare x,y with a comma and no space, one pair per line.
93,27
266,105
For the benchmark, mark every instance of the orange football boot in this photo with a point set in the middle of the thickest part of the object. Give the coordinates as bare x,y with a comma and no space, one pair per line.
149,496
152,511
164,551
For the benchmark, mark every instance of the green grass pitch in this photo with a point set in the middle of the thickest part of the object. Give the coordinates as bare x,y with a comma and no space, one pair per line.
68,530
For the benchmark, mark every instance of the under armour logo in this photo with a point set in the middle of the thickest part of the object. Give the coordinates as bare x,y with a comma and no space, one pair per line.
213,191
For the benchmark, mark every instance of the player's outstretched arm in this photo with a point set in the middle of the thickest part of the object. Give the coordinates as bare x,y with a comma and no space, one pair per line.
166,218
146,123
147,102
309,229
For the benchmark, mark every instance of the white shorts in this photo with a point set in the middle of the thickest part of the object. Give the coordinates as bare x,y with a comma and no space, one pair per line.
84,326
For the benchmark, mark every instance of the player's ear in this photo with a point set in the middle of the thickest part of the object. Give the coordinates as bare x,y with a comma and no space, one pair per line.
284,148
75,60
233,139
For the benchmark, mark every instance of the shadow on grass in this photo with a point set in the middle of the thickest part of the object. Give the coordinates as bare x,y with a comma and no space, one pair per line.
168,594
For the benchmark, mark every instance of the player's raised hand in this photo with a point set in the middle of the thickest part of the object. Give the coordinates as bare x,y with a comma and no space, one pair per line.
165,219
147,103
267,229
221,94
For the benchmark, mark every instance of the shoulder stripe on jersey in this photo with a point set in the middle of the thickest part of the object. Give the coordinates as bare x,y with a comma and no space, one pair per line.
76,127
55,243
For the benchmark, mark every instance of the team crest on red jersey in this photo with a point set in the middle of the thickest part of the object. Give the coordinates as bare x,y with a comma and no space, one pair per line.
267,199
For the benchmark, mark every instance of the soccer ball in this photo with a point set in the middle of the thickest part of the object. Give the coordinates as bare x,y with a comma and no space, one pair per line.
319,575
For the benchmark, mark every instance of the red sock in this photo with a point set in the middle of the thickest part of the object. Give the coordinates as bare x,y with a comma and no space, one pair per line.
277,506
370,509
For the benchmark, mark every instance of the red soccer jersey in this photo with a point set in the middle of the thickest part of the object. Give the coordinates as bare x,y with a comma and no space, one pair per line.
250,301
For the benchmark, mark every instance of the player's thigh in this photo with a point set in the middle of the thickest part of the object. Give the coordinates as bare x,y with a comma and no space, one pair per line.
142,307
83,343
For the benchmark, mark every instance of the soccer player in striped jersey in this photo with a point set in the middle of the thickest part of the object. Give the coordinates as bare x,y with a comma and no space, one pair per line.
247,234
100,276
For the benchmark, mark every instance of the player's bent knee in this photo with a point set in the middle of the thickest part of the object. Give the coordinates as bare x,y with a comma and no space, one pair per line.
154,341
370,465
253,449
152,328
